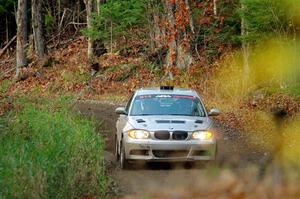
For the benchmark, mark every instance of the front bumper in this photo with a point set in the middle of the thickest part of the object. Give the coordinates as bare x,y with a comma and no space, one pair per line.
169,150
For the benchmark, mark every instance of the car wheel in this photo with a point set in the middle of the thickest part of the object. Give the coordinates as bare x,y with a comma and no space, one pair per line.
201,164
219,157
123,161
117,154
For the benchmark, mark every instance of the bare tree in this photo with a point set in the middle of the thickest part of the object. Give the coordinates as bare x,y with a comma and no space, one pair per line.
98,6
6,29
21,40
89,10
154,17
215,8
179,54
188,7
245,44
37,27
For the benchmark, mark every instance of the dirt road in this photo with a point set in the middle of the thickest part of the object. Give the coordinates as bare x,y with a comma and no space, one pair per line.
165,178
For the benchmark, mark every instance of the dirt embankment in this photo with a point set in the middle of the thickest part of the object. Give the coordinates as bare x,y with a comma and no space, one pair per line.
170,179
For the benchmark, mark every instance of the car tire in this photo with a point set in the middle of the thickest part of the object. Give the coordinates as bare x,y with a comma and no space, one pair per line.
201,164
219,158
117,154
124,164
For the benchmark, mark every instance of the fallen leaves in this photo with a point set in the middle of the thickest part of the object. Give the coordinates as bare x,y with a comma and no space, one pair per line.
119,75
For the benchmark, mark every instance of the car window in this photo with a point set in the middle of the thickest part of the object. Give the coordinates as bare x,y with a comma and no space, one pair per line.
167,105
129,103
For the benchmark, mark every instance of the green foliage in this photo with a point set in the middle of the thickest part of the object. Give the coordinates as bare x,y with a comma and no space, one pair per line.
122,71
5,84
7,20
117,17
49,21
267,18
293,90
7,5
215,33
48,152
74,77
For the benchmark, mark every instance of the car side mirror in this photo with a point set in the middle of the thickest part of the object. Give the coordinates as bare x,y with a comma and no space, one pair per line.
214,112
121,111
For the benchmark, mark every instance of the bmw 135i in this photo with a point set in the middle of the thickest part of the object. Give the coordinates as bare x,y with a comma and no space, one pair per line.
165,124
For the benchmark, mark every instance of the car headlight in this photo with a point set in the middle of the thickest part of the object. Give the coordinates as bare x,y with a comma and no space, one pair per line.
139,134
202,135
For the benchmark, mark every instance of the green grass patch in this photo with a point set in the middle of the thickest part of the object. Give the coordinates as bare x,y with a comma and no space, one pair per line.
4,86
294,90
123,71
73,77
47,151
131,70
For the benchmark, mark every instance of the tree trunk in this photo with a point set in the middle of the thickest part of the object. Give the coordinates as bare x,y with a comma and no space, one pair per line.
37,27
245,45
7,29
215,8
156,31
98,6
89,10
172,44
21,28
59,11
25,31
187,4
111,36
179,54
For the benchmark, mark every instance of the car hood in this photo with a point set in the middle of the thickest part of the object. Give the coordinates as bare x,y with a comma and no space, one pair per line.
170,123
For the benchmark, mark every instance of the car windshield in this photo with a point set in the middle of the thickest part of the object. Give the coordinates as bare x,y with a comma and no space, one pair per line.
162,104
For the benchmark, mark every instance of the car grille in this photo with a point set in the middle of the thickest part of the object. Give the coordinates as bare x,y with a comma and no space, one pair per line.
162,135
179,135
166,135
200,153
139,152
169,154
170,121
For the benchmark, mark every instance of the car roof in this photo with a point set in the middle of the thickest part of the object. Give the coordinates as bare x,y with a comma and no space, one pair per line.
177,91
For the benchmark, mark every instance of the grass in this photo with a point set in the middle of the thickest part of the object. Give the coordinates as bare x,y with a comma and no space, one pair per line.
294,90
46,151
123,71
4,86
72,77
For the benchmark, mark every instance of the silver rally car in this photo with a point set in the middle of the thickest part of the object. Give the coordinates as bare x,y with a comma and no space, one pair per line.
165,124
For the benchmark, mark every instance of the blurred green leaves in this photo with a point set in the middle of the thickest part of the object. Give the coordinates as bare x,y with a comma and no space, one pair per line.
47,151
6,5
116,17
268,19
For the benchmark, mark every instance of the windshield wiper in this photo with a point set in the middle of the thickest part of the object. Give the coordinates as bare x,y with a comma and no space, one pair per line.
176,114
142,114
180,114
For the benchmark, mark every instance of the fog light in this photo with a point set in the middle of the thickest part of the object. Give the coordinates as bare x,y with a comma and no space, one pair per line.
202,135
139,134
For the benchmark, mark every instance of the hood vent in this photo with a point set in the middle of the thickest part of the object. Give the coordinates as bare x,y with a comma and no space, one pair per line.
198,121
177,122
163,121
170,121
140,121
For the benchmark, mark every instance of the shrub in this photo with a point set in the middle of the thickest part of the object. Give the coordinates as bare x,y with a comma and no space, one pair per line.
116,18
48,152
4,86
269,18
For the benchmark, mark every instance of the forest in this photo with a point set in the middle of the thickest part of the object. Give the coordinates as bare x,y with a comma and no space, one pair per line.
63,61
